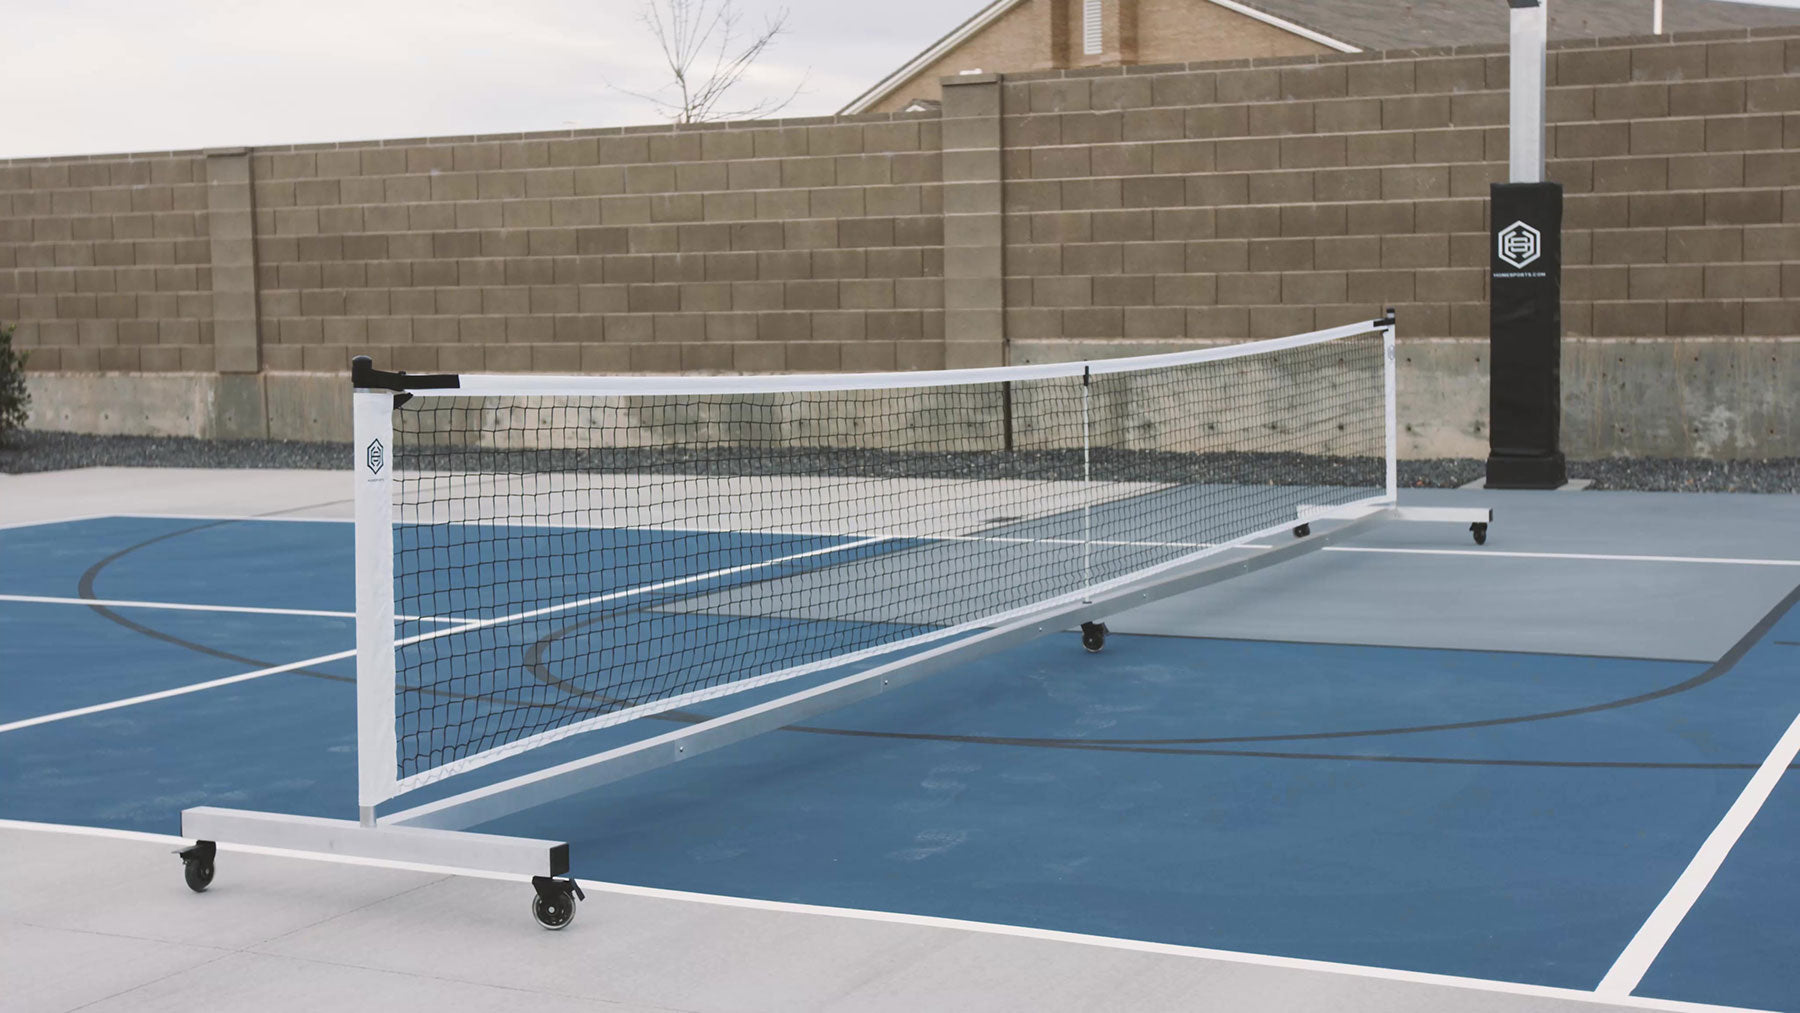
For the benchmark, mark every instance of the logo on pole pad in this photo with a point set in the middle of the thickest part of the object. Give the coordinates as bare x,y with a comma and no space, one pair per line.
375,457
1520,244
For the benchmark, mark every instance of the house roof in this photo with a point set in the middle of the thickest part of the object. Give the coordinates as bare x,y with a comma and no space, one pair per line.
1351,25
1418,24
992,12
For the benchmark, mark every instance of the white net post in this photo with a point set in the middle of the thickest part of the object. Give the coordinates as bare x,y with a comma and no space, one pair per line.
373,463
1391,408
1087,478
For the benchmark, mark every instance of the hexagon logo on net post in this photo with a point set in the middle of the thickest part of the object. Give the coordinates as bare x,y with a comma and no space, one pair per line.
1519,245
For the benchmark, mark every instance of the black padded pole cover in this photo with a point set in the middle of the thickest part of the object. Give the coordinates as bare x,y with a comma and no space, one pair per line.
1525,337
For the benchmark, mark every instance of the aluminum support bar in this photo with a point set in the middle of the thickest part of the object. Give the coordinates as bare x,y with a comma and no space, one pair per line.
480,852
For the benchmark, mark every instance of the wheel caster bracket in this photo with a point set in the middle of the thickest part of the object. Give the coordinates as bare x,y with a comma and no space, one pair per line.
554,905
1479,530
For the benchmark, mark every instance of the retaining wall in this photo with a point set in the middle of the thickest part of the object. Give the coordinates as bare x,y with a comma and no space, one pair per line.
1040,216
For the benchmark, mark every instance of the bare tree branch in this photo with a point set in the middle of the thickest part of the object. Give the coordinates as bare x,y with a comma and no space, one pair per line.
708,54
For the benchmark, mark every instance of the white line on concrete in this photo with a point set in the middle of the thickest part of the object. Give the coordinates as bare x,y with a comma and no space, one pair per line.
1654,934
175,606
57,520
240,517
927,921
1598,556
44,719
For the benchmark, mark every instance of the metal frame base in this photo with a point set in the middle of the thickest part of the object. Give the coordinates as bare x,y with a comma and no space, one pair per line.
429,834
452,848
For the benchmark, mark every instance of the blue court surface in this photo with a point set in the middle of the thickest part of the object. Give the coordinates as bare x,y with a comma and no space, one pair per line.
1347,795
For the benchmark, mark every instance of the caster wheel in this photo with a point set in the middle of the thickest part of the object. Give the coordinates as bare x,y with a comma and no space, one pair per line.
554,905
1093,636
1479,530
198,873
1303,530
553,912
197,865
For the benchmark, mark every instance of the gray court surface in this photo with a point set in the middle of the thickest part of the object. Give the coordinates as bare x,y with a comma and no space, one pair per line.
102,922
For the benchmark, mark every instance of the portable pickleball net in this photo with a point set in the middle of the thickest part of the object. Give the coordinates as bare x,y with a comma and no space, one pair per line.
569,553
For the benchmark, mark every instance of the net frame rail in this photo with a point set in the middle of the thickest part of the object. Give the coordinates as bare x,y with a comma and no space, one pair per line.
431,834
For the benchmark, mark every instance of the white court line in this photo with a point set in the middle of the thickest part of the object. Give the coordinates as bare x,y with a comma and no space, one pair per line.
1601,557
632,592
1653,935
175,606
433,635
56,520
241,517
44,719
927,921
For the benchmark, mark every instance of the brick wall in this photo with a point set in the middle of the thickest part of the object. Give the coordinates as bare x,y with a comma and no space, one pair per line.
105,263
1044,215
1181,204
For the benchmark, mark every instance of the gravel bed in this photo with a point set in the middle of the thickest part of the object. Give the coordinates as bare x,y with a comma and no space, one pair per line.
45,451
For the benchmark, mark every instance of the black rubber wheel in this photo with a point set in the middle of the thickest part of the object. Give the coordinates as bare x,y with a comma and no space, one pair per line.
1303,530
199,874
1093,637
1479,530
553,912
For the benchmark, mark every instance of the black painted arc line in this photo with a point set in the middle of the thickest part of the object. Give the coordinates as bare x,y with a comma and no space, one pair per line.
85,589
1158,746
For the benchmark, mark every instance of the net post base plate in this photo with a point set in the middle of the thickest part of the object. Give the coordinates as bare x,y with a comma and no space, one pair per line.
306,835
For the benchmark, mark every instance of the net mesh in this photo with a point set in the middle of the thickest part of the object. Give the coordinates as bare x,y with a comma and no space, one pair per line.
584,559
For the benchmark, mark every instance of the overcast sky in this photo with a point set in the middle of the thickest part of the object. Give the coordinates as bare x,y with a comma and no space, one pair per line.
89,76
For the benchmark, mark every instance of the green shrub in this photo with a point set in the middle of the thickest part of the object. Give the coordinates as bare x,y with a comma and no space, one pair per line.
13,396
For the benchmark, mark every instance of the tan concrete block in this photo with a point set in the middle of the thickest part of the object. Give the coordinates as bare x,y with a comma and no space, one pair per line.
1281,255
1121,290
1414,251
1278,118
1744,207
814,356
1668,63
1741,133
626,328
1094,322
1743,281
1591,66
1183,223
1256,289
1393,148
758,357
1665,209
1667,136
1705,318
1597,211
598,180
1181,157
1152,257
1249,155
1183,88
1474,180
1221,322
1217,121
1254,85
1463,73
